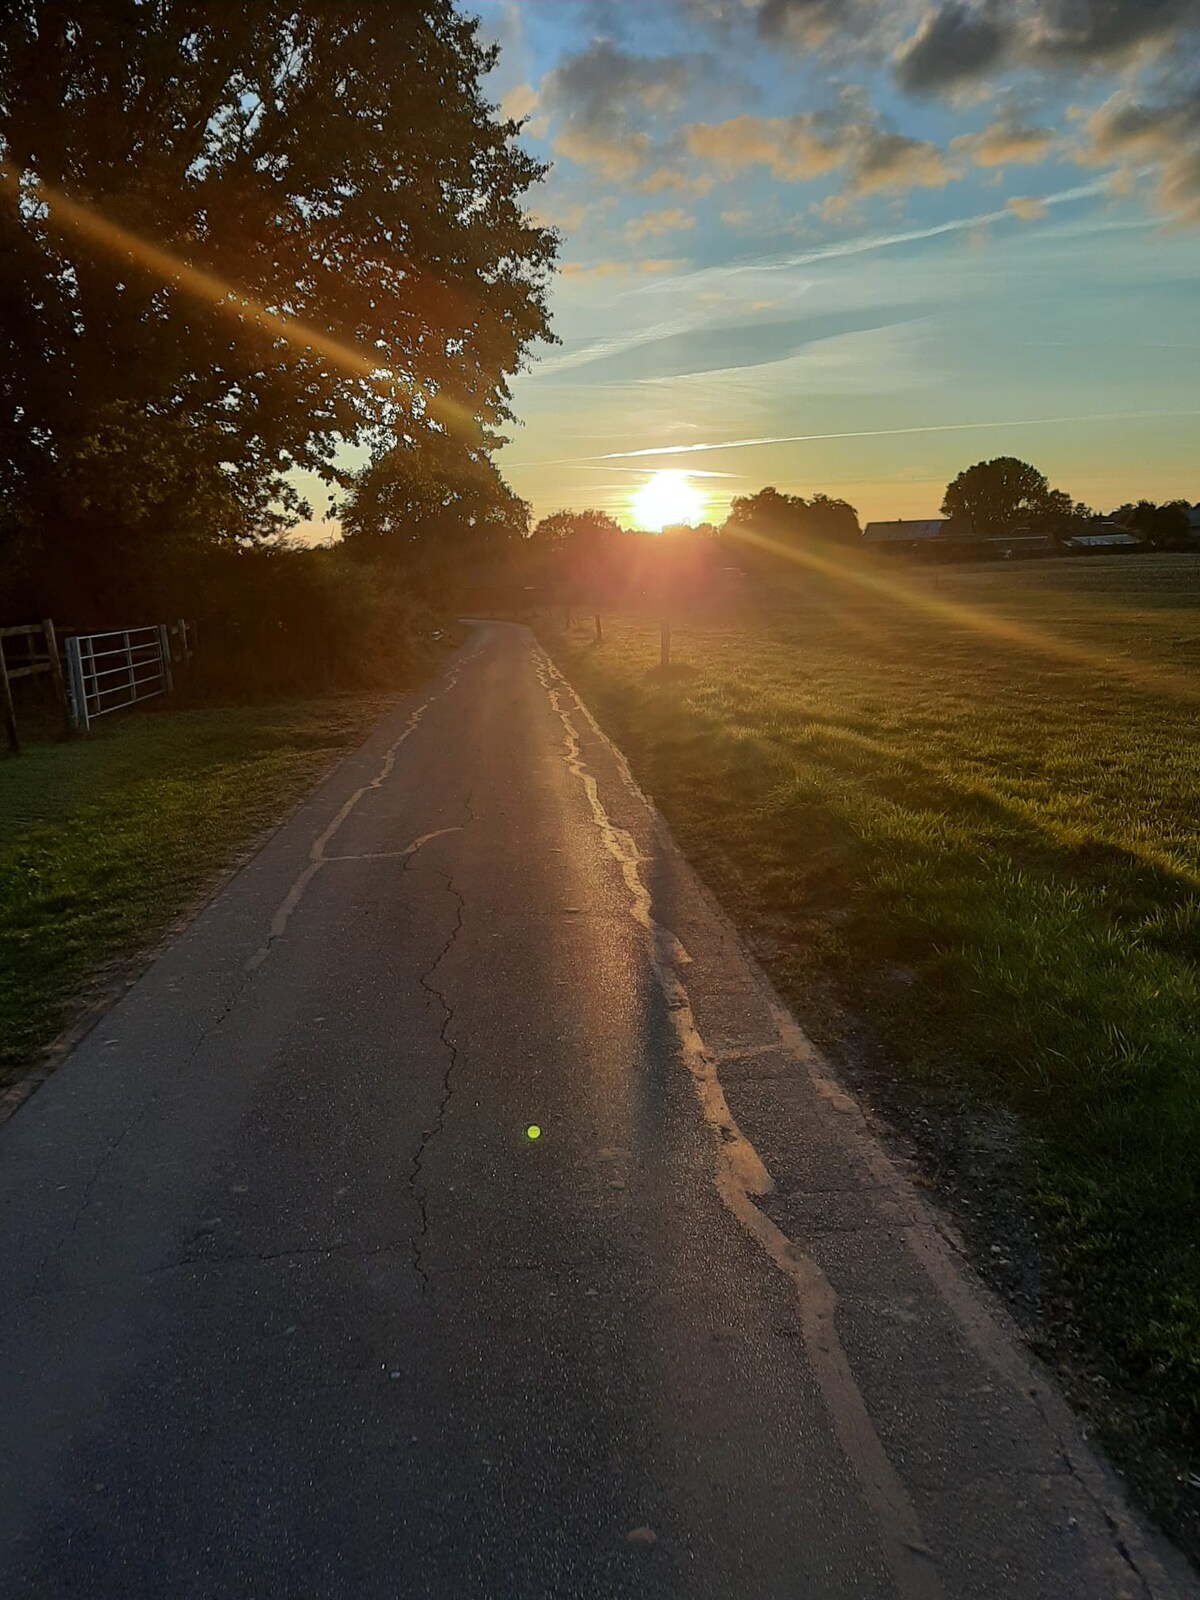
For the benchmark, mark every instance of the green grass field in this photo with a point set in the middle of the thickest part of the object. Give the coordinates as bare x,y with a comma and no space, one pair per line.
964,803
104,842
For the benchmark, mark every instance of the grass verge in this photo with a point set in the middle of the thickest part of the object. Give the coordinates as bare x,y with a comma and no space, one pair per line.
104,842
963,804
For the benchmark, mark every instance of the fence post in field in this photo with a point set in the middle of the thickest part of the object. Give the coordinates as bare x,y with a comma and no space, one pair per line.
164,650
568,621
56,676
79,710
599,630
10,712
664,639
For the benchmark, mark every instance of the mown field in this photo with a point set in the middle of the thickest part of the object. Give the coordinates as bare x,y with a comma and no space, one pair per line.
105,841
963,802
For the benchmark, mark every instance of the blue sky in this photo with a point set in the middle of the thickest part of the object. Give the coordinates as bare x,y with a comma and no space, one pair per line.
895,238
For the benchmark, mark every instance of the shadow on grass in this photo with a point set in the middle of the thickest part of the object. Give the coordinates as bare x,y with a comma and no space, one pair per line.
676,673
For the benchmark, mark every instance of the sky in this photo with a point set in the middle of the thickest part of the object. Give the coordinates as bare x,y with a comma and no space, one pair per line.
879,240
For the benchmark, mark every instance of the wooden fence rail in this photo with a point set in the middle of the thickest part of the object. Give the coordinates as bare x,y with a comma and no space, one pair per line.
32,652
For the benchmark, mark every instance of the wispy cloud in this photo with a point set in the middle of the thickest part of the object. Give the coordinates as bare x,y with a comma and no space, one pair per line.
887,241
874,433
708,306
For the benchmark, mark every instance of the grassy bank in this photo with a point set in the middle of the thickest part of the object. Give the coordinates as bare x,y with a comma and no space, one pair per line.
105,841
963,802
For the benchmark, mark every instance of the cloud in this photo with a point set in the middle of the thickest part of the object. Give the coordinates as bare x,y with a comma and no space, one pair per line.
961,42
1004,144
569,216
652,224
1028,208
957,42
880,433
663,178
603,96
1111,32
812,24
791,148
518,102
620,269
614,155
811,145
1128,134
890,163
597,269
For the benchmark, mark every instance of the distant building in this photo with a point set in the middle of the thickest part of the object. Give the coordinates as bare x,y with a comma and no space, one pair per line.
1020,542
937,537
943,539
1099,537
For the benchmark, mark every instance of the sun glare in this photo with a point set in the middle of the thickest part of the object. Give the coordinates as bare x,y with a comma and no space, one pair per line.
665,499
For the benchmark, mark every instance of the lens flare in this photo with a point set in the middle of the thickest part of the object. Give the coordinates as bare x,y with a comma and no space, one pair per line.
247,313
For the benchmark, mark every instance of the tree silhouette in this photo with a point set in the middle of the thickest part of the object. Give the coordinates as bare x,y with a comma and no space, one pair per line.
429,509
993,497
767,526
1165,527
233,238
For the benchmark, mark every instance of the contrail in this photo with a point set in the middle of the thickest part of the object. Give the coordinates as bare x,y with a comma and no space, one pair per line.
884,241
864,433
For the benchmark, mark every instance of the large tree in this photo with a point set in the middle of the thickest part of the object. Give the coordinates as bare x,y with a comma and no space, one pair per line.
578,553
993,497
429,507
769,527
233,238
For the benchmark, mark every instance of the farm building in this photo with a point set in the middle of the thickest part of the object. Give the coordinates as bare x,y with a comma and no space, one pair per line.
1102,537
942,539
936,537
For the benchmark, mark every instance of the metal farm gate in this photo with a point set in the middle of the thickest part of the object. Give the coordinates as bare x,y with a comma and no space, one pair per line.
111,671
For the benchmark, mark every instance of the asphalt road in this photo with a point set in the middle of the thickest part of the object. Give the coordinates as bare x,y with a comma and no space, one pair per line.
293,1306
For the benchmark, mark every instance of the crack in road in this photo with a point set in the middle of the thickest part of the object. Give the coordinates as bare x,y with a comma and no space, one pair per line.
429,1134
317,859
744,1183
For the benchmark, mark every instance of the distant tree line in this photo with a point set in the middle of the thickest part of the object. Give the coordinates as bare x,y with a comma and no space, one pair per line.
585,556
1005,494
237,243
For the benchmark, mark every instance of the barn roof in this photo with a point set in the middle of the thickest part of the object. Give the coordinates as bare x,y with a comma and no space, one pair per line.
902,531
1118,539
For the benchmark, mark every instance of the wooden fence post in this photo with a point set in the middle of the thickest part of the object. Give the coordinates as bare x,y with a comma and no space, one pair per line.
164,651
60,688
599,630
664,638
10,711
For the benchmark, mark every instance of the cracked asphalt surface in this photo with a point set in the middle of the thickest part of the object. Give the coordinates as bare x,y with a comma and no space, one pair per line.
293,1307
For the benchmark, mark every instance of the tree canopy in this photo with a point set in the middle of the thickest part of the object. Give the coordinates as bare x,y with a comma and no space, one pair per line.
993,497
1165,527
769,526
427,507
233,239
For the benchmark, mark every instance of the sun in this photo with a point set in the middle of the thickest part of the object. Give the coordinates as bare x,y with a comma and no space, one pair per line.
665,499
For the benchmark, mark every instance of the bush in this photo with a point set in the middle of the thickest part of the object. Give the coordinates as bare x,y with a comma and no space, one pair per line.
275,621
